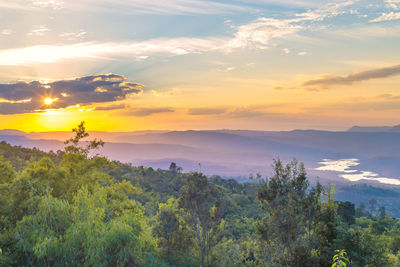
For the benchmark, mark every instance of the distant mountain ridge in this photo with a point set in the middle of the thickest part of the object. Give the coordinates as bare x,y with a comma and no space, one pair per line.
373,129
237,153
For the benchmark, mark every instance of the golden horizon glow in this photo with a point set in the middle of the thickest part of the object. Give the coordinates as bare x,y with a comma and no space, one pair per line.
289,66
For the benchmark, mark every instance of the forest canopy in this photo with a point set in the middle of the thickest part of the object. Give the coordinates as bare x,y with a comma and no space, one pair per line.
76,208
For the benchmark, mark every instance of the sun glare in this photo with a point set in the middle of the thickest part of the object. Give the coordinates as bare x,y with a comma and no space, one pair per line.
48,101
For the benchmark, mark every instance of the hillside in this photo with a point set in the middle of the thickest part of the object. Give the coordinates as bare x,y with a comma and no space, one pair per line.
140,216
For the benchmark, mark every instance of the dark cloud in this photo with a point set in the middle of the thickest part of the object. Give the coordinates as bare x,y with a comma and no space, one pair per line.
356,77
83,91
206,111
142,112
7,108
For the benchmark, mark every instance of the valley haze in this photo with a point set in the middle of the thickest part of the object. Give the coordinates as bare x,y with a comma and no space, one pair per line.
359,155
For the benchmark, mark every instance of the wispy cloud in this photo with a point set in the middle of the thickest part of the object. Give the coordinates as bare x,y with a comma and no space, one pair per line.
25,97
395,4
39,30
143,112
355,77
303,53
17,4
53,4
248,112
111,107
258,34
6,32
384,102
387,17
73,35
90,50
261,32
130,6
370,31
206,111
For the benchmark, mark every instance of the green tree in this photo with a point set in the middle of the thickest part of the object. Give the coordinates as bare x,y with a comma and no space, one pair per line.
326,229
282,197
372,205
201,200
347,212
174,237
74,143
7,172
91,231
361,210
174,169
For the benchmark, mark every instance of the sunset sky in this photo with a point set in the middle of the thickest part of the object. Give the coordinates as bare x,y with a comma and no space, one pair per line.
125,65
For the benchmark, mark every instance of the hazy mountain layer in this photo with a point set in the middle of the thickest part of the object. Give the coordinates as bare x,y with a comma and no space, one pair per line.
237,153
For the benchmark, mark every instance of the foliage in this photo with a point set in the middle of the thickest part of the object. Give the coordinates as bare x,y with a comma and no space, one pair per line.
173,234
289,210
75,208
340,258
201,201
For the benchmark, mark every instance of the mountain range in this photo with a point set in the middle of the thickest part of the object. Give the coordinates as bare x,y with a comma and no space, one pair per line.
360,154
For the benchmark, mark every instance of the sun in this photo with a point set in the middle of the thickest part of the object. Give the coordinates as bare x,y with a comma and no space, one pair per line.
48,101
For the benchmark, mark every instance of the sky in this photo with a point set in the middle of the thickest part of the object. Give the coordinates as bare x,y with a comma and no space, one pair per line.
125,65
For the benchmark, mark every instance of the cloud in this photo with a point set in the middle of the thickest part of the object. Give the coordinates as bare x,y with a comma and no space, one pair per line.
387,17
246,112
328,11
227,69
303,53
73,35
17,4
111,107
395,4
384,102
25,97
258,34
39,30
356,77
206,111
169,7
90,50
369,31
143,112
6,32
130,6
52,4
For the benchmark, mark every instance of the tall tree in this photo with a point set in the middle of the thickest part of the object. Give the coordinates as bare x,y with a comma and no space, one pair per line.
174,237
74,143
347,212
174,169
203,204
284,198
372,205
